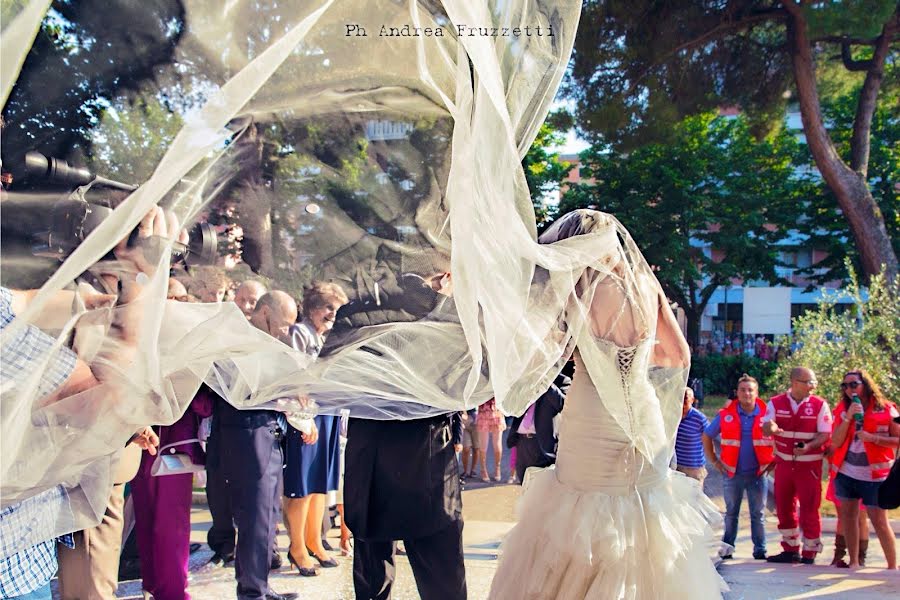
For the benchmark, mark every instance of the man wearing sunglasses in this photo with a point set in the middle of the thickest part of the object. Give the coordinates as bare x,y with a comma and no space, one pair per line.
801,424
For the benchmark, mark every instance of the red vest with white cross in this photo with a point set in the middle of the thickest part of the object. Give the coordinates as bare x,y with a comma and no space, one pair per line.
801,426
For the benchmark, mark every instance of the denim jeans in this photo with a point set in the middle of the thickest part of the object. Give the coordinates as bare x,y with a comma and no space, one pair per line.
42,593
734,488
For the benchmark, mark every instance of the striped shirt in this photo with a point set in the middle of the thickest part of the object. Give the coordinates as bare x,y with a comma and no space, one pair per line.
689,442
856,463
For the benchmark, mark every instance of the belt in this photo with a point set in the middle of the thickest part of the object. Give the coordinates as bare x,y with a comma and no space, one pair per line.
800,458
527,435
247,418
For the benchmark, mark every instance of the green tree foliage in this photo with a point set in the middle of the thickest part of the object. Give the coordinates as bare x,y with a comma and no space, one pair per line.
835,341
83,60
543,170
720,373
712,185
640,66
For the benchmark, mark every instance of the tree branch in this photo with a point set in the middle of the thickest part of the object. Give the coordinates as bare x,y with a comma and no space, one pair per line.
868,97
840,39
793,8
849,63
757,17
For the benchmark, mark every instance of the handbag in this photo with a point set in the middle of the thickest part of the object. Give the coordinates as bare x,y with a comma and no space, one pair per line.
889,490
175,463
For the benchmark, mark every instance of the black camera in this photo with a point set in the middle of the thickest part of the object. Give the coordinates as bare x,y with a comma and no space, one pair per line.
73,219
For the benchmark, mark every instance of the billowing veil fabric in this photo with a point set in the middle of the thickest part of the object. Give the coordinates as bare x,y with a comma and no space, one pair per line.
321,141
611,520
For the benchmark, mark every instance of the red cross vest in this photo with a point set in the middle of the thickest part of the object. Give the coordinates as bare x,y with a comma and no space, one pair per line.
881,458
730,427
799,427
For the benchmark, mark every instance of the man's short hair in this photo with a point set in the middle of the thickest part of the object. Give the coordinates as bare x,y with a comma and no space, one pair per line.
748,379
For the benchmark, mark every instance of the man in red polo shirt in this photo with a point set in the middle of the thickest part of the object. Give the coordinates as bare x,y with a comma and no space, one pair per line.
801,424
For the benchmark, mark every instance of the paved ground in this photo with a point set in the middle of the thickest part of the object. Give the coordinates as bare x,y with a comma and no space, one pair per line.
489,511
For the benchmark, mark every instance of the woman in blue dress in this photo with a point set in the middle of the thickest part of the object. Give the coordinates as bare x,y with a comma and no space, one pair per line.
312,470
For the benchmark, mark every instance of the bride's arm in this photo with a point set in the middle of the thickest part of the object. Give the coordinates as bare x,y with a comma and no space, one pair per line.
671,349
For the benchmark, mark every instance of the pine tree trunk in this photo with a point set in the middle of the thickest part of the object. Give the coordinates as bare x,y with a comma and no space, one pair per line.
849,186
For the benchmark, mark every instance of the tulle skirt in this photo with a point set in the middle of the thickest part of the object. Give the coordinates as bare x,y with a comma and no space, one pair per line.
655,542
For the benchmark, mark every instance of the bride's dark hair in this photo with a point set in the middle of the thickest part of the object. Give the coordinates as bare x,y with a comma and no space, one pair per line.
577,222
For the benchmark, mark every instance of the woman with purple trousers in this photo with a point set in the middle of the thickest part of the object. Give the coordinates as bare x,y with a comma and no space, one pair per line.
162,508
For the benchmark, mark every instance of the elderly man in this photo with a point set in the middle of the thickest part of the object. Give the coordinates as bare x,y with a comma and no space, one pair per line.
247,295
247,448
221,536
746,456
801,424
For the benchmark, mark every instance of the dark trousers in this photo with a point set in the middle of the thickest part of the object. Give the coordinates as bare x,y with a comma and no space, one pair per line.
529,454
220,536
436,561
252,467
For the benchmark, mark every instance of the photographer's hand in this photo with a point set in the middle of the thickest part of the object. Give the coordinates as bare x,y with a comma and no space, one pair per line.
157,223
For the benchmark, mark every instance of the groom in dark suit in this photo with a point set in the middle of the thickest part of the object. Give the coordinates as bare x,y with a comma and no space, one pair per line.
532,433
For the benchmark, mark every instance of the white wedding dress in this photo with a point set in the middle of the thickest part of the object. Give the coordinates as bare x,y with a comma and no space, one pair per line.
605,523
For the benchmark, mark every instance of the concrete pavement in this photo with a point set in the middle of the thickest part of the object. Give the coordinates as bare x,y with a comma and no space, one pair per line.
489,514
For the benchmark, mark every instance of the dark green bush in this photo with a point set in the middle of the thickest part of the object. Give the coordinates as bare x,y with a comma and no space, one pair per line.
720,373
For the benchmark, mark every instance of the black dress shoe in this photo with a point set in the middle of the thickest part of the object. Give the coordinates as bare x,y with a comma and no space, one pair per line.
807,561
273,595
760,555
220,560
784,557
327,546
727,556
276,562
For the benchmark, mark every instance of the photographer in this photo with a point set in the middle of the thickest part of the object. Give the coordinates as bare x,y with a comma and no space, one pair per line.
28,558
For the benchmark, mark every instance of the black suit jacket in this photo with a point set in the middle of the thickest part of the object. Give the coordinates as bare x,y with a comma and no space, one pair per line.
546,407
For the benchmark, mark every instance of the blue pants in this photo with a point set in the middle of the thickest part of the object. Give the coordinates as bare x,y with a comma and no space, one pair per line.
734,488
42,593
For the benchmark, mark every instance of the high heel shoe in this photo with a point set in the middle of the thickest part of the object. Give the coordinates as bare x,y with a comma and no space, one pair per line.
304,571
328,563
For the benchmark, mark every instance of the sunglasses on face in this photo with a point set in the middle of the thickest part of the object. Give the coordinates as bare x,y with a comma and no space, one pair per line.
850,384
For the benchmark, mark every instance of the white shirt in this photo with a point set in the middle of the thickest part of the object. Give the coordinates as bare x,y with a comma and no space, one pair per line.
823,419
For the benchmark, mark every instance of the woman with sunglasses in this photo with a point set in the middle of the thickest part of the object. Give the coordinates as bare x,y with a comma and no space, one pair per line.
862,459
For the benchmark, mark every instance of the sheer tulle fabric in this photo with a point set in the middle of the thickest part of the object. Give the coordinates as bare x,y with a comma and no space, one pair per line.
373,162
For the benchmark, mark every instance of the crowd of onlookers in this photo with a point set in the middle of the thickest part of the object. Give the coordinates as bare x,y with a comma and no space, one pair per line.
259,467
765,347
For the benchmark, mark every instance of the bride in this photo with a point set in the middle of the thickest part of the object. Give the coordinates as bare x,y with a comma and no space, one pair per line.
611,521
